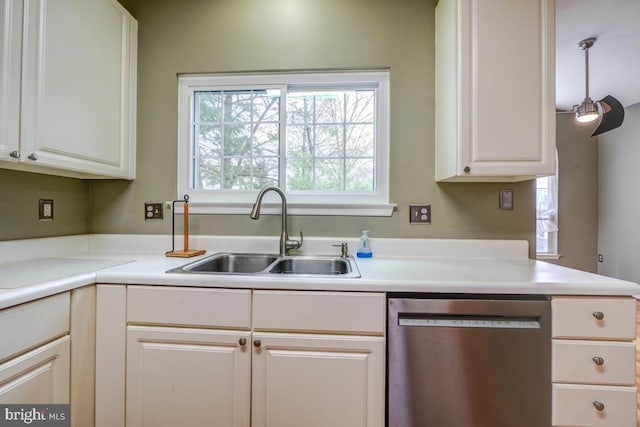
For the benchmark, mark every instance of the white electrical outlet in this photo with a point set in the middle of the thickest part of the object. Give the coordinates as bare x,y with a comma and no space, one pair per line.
45,210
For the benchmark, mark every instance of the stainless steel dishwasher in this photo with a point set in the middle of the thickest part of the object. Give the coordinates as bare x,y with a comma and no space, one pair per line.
466,361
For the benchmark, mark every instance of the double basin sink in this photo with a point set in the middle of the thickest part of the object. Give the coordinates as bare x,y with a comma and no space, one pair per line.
270,264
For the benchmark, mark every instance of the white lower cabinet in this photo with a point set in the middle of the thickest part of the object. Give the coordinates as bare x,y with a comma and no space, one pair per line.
35,362
240,358
39,376
317,380
593,361
183,376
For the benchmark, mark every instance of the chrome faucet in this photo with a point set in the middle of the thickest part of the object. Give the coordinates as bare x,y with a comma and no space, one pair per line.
285,243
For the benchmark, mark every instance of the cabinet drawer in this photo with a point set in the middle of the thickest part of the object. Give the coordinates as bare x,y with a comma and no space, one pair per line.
159,305
342,312
576,317
573,362
574,406
37,322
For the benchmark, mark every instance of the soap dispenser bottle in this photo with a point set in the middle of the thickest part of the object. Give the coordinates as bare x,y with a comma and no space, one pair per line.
364,248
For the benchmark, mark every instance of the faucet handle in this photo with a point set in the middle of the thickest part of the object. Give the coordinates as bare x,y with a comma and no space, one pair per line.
295,244
344,249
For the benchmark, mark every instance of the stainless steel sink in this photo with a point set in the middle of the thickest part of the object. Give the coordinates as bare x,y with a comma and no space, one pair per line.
271,264
312,265
229,263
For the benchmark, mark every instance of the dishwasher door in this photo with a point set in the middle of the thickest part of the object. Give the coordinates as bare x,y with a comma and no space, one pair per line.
466,362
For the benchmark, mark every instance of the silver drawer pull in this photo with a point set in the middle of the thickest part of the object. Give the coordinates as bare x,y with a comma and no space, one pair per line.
598,315
598,405
598,360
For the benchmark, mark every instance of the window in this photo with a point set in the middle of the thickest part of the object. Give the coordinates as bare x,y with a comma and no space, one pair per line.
547,215
321,137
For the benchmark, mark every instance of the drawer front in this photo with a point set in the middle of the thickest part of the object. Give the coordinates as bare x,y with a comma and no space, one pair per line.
574,406
578,317
201,307
28,325
337,312
592,362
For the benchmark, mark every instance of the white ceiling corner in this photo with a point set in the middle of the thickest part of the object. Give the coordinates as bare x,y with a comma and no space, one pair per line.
614,59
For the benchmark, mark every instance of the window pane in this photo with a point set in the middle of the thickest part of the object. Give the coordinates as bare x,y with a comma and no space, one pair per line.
237,139
300,175
266,139
360,140
300,141
329,175
359,175
360,106
237,107
329,141
209,140
209,174
237,173
337,129
300,108
266,108
329,107
209,106
265,172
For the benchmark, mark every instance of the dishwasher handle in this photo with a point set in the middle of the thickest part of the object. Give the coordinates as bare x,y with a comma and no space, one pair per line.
468,321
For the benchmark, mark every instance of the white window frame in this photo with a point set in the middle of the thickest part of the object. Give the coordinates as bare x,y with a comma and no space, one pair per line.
375,203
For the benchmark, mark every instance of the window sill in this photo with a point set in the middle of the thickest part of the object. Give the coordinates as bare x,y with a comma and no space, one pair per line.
319,209
542,256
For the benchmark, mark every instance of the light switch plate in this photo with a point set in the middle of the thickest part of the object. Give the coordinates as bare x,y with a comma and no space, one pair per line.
505,201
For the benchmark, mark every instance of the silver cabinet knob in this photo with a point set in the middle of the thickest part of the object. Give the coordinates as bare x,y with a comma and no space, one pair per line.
33,156
242,342
598,315
598,405
15,154
598,360
257,343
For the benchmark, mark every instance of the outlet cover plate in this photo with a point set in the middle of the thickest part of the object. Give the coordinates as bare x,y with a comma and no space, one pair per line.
420,214
45,210
153,210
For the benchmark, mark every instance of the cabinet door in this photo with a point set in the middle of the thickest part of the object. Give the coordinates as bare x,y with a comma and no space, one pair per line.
39,376
495,89
78,86
10,44
187,377
317,380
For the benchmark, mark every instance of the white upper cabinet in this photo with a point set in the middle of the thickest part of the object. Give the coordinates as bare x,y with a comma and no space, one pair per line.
10,46
77,88
495,90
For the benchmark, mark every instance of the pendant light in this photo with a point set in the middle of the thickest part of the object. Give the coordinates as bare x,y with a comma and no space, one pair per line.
587,111
609,110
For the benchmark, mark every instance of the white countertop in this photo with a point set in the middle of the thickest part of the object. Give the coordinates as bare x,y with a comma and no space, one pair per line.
399,265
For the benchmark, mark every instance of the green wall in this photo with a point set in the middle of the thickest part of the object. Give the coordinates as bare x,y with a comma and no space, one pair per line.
194,36
19,196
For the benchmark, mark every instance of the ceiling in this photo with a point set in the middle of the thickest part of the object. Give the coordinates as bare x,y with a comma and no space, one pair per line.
614,59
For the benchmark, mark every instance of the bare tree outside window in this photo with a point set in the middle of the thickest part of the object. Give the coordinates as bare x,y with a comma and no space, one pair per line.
330,140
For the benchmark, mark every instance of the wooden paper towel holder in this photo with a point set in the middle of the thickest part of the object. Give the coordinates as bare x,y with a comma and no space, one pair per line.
185,252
